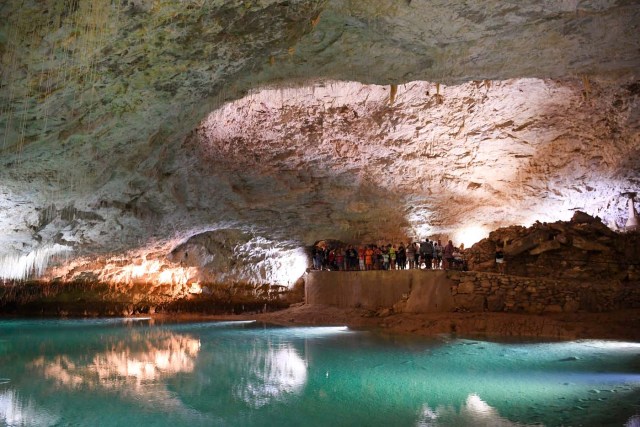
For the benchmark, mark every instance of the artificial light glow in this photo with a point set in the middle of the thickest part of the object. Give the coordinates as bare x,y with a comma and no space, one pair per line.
470,235
288,266
195,289
151,271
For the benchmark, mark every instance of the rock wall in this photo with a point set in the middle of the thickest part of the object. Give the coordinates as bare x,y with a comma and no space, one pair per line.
418,291
477,291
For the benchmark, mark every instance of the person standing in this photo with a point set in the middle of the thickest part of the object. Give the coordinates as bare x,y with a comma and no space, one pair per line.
393,255
385,258
426,251
439,253
411,255
368,258
402,257
447,253
500,257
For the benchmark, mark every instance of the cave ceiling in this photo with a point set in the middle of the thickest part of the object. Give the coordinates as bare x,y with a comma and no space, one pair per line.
246,129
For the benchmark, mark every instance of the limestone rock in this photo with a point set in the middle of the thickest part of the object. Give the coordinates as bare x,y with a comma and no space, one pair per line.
132,129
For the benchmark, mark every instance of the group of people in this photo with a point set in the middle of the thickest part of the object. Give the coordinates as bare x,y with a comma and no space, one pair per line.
419,255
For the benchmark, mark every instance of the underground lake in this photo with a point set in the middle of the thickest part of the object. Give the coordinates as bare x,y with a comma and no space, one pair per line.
114,372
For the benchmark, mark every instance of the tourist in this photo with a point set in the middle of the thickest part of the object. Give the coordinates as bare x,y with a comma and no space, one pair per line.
416,256
385,258
500,257
352,258
448,255
402,257
377,258
392,256
331,260
368,258
340,259
325,259
438,252
434,260
411,255
316,257
426,252
361,258
355,257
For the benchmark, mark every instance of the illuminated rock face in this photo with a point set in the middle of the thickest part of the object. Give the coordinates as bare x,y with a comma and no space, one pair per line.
103,153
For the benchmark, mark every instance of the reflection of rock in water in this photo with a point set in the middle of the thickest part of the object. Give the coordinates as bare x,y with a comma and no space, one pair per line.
17,411
271,372
474,412
134,361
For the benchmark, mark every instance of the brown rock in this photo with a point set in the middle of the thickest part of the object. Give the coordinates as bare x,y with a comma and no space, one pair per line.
588,245
495,303
525,243
550,245
553,308
469,302
571,306
466,287
580,217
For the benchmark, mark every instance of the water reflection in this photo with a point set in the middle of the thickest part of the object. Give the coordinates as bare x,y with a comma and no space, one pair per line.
16,411
269,374
141,358
474,412
242,374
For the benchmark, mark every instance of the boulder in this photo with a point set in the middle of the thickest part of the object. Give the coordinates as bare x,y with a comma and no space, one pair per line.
580,217
525,243
588,245
549,245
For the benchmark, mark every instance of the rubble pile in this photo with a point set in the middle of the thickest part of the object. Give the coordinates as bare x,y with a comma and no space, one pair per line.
583,249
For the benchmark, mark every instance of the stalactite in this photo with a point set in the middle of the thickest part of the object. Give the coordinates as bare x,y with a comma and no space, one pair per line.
22,267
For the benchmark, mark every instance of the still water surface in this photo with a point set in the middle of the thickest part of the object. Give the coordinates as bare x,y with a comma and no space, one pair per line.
119,372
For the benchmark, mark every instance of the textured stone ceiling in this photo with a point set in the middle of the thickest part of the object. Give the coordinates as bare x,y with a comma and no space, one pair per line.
240,131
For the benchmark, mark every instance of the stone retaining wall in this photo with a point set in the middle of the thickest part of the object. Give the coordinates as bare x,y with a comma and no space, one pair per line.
475,291
419,291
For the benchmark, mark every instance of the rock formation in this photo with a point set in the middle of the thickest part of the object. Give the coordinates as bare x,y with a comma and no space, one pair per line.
135,133
583,248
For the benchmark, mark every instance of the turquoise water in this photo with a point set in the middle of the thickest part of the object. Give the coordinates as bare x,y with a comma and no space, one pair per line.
119,372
